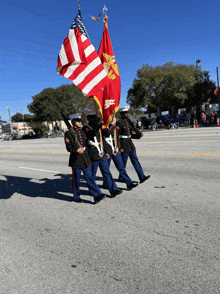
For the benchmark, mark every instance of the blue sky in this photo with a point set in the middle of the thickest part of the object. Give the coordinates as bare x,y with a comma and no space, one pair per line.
142,31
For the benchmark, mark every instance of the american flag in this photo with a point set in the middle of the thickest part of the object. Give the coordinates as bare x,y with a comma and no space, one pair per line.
79,62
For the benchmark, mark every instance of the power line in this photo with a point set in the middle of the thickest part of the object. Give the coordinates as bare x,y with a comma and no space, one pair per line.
29,27
30,42
34,13
25,53
4,49
59,48
125,49
66,26
47,57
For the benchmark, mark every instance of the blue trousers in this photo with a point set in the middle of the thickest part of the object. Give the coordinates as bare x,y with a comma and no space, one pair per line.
107,176
135,162
87,171
117,159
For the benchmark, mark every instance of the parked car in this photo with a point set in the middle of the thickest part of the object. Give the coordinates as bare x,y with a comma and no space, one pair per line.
25,136
148,122
6,136
183,119
161,118
168,120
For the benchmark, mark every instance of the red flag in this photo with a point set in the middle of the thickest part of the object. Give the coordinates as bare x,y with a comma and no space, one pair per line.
109,99
79,62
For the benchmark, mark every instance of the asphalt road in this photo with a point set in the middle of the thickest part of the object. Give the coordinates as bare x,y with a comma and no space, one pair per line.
161,237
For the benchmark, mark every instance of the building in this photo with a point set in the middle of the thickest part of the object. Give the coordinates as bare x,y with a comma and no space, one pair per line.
58,125
17,128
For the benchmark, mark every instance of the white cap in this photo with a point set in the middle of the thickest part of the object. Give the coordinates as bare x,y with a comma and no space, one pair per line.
90,112
74,116
124,109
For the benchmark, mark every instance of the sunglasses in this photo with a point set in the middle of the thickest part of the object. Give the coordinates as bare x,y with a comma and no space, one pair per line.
78,119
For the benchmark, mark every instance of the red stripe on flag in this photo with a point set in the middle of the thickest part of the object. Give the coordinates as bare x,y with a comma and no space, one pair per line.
82,66
88,70
89,78
59,64
68,50
64,69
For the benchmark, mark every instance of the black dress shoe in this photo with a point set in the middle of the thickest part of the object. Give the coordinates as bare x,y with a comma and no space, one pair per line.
79,200
144,179
116,192
97,199
131,186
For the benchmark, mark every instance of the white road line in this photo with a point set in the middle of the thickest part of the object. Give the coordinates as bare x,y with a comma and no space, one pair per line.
181,135
43,170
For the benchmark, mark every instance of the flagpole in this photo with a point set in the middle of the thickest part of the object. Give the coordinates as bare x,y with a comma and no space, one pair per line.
96,110
103,11
109,100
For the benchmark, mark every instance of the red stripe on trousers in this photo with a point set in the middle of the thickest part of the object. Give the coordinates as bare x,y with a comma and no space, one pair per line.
73,178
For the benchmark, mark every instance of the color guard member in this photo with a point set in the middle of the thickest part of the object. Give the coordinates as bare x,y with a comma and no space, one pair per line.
80,161
97,147
127,131
111,137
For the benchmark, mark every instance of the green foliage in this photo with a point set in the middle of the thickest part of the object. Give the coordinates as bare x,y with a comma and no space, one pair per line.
168,85
28,118
38,127
202,91
48,104
2,122
18,117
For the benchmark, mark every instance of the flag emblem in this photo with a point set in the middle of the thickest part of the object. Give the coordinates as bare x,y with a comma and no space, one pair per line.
108,103
110,63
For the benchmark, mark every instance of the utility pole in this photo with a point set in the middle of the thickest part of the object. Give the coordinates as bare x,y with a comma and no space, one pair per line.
23,119
10,120
218,91
197,61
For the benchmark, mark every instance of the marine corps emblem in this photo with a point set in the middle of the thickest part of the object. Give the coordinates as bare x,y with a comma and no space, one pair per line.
110,63
108,103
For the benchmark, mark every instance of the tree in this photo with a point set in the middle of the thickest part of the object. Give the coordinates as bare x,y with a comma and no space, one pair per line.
28,118
164,86
2,121
18,117
38,127
48,104
202,91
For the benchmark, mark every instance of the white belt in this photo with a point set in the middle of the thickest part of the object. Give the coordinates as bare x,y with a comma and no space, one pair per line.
124,137
96,144
109,140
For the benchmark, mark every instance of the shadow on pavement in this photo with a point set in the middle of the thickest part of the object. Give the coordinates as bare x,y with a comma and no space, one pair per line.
50,188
